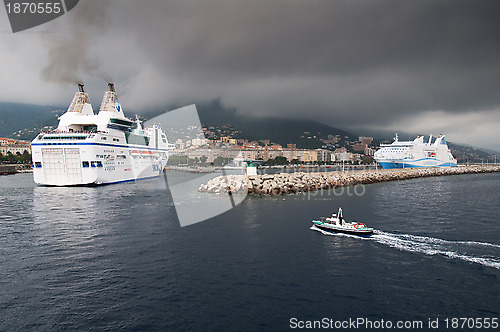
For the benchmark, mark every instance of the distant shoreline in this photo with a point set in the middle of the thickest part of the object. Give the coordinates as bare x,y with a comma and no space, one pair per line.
15,168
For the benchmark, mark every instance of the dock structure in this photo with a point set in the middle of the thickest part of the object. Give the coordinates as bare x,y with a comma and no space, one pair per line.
293,183
7,169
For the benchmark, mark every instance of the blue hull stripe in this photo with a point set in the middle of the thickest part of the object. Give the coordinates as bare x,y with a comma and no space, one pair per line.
415,160
131,180
99,144
405,164
92,184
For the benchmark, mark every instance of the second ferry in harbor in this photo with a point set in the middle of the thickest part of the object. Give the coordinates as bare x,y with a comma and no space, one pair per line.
94,149
416,153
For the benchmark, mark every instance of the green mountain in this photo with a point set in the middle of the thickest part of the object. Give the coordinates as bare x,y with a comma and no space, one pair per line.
29,119
305,134
24,121
470,154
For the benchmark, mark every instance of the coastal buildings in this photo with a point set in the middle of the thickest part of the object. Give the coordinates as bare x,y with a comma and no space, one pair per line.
251,153
13,146
225,142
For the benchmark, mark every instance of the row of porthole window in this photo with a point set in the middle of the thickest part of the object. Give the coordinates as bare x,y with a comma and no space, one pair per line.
64,137
114,139
87,164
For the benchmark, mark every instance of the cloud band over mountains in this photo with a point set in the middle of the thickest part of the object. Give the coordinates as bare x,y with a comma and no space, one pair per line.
363,64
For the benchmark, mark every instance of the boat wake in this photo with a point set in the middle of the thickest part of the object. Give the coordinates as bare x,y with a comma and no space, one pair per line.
484,253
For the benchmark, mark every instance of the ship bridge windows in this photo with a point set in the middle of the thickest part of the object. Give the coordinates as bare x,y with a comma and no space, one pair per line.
121,122
90,128
136,139
83,128
63,137
118,127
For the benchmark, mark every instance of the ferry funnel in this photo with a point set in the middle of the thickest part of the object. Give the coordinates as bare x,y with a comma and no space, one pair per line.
81,102
110,102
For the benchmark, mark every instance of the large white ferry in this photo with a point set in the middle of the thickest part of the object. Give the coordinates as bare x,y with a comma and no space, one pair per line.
416,153
103,148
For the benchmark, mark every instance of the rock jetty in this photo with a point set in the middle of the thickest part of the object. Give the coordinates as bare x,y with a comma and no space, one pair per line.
293,183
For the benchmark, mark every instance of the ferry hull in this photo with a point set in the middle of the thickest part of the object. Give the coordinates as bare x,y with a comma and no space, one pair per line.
74,164
390,164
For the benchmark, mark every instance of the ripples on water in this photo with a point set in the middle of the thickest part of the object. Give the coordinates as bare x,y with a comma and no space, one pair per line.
115,257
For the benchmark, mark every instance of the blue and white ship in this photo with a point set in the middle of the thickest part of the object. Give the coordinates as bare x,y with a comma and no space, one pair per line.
103,148
416,153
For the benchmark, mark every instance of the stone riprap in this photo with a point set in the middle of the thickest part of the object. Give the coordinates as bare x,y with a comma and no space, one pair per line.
293,183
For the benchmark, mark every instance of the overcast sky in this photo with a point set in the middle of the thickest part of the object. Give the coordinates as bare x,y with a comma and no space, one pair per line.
402,65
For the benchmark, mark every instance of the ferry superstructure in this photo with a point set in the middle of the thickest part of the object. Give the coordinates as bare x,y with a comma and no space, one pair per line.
94,149
416,153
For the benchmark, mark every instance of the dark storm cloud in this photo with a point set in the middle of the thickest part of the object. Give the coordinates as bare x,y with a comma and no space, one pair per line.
69,52
343,60
374,63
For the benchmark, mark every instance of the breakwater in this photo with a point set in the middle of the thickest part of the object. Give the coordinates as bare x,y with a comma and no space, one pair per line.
293,183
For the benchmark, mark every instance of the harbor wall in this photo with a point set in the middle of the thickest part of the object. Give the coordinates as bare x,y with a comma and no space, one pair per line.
16,168
7,169
293,183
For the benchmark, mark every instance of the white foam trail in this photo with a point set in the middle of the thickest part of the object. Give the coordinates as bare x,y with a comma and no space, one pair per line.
432,240
433,246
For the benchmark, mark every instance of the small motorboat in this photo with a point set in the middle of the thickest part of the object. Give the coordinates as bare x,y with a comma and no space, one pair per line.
336,223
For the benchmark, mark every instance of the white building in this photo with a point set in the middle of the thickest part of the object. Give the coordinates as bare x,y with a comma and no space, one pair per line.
341,156
13,146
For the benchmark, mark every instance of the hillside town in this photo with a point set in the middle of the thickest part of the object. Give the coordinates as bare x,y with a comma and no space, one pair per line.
218,145
223,144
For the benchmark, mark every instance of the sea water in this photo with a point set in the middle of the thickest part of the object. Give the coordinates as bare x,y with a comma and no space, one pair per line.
115,257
